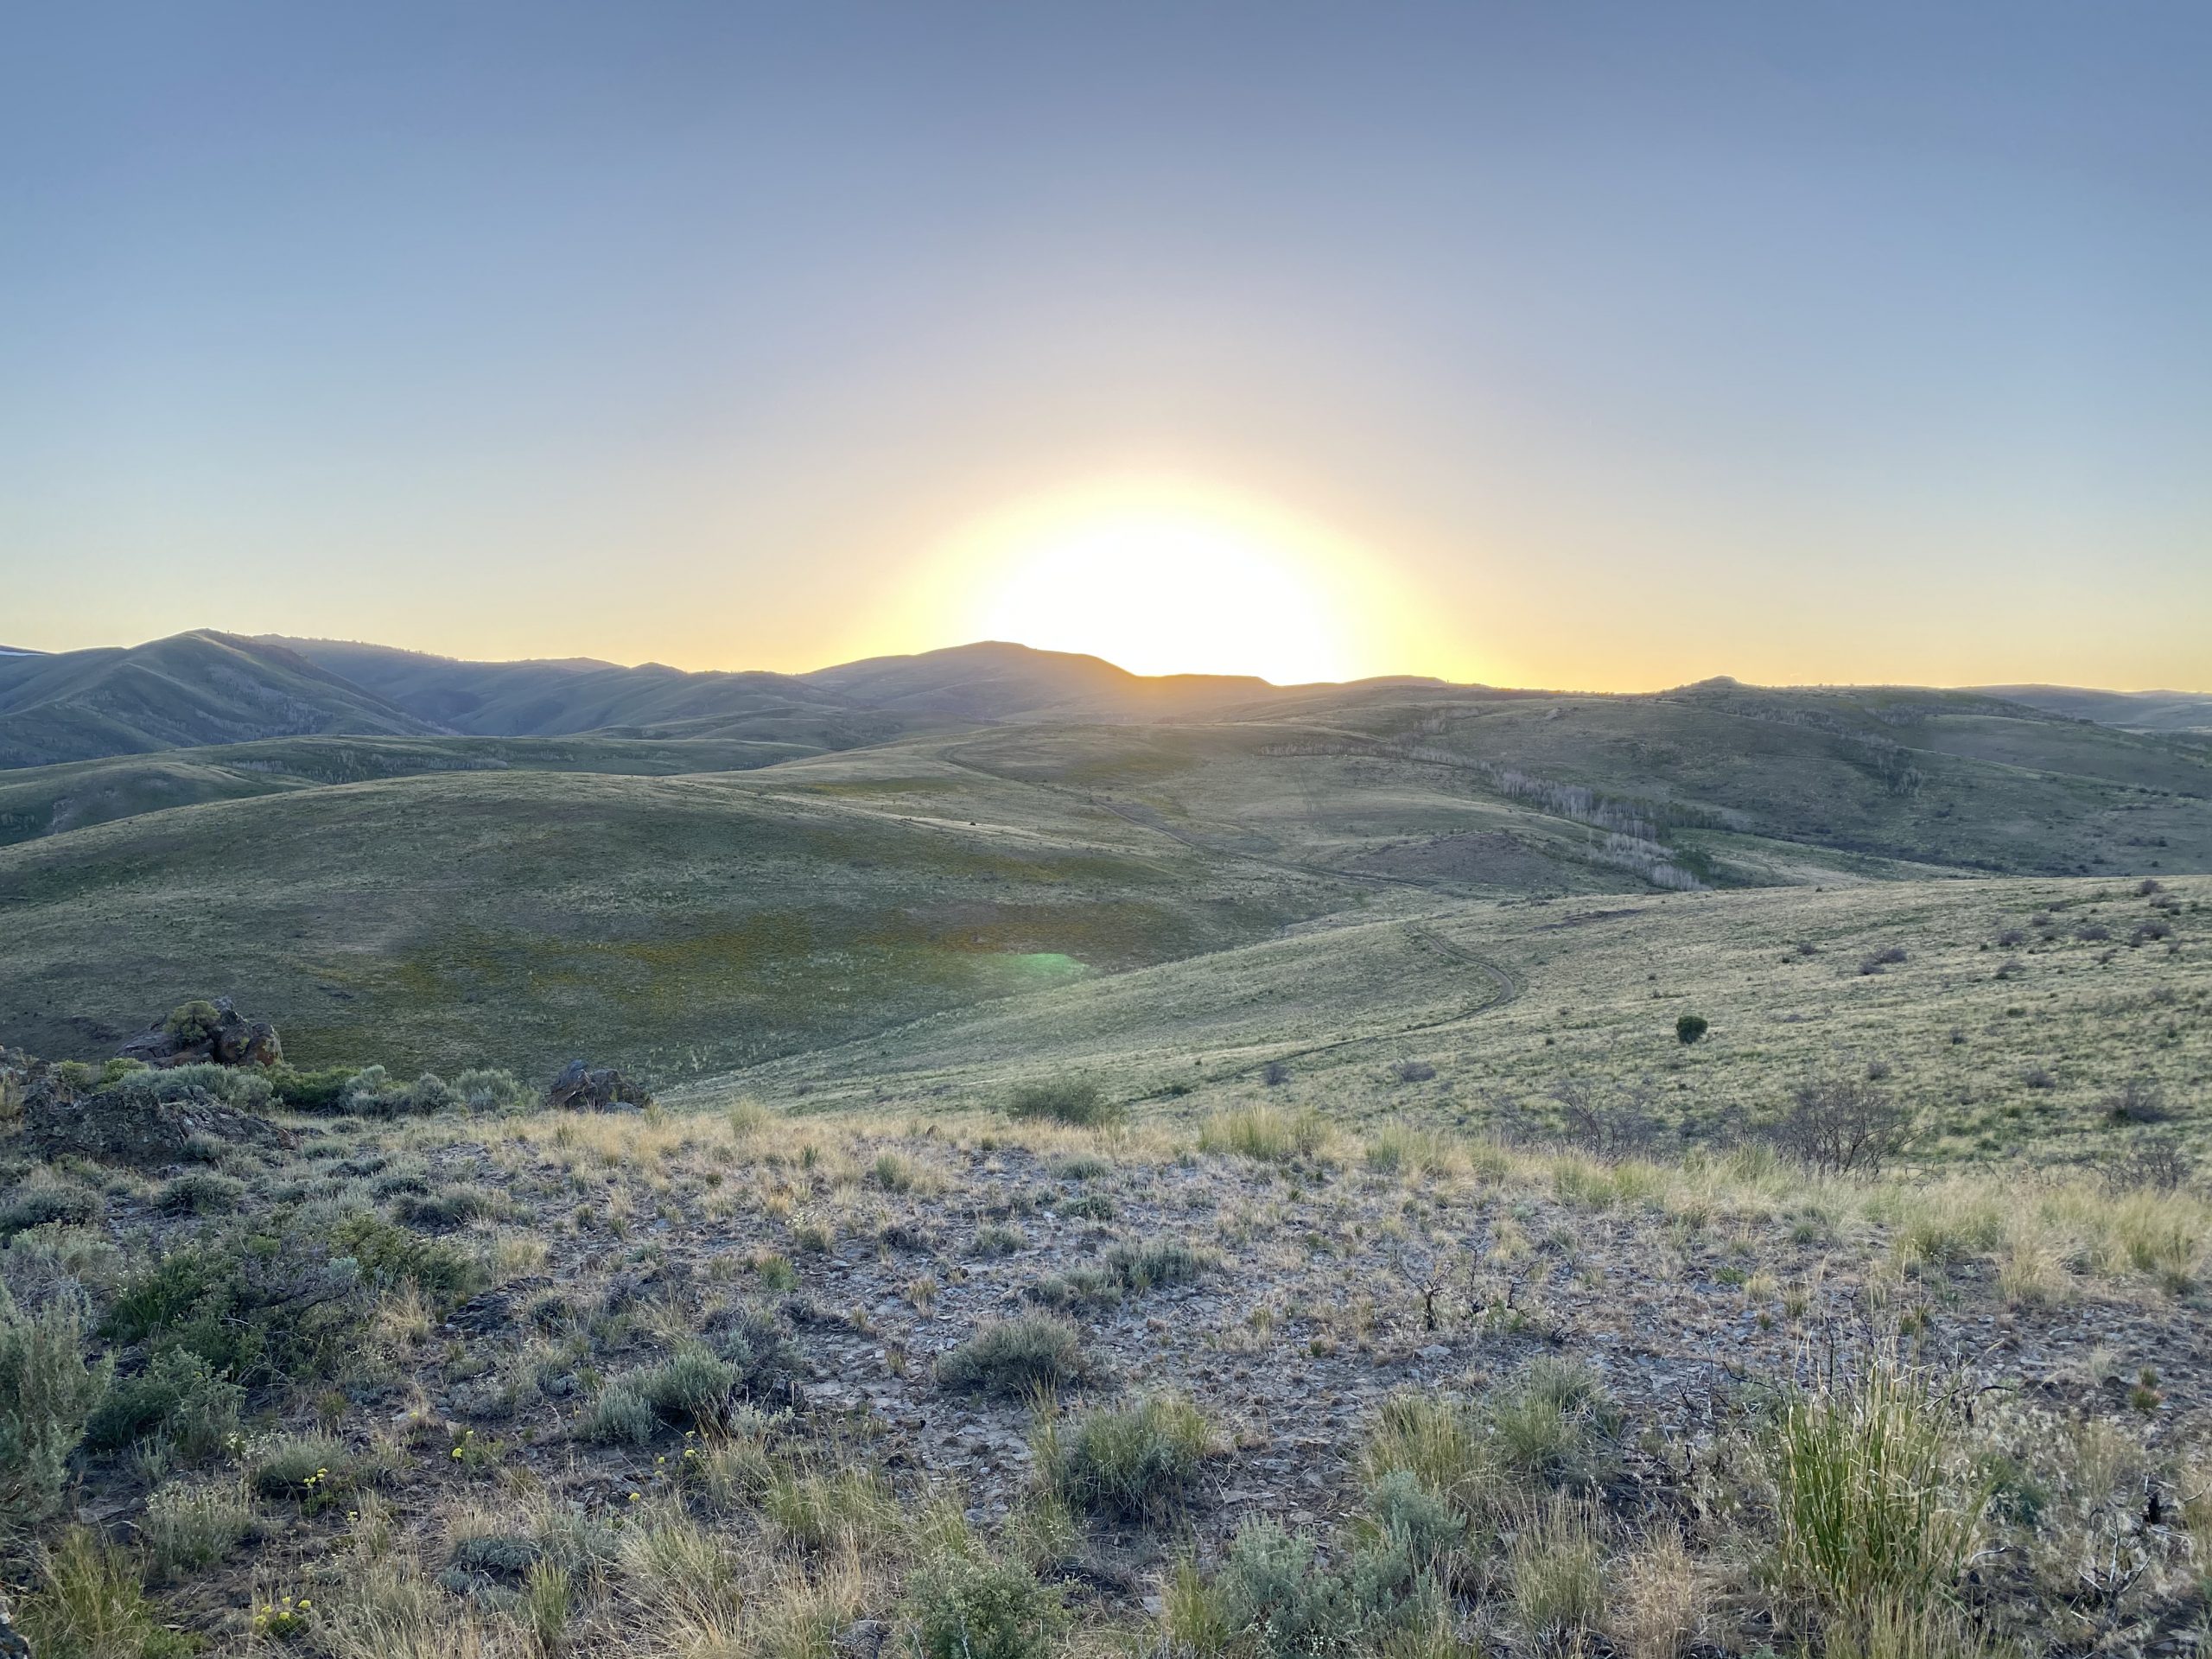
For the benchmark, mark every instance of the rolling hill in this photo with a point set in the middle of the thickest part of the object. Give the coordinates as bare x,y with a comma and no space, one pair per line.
184,691
2138,711
688,872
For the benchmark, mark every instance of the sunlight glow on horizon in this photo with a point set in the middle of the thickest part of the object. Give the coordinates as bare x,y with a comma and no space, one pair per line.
1173,578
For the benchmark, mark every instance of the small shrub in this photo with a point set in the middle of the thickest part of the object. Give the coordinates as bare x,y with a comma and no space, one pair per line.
484,1089
691,1386
392,1257
993,1241
1556,1572
2038,1077
200,1192
313,1091
619,1414
1411,1071
313,1468
1272,1597
445,1208
39,1202
190,1528
2138,1100
1276,1073
92,1605
1068,1100
1552,1425
846,1508
1082,1287
967,1606
1842,1125
192,1023
2012,939
1689,1027
1405,1149
47,1391
1139,1268
1440,1443
1017,1357
179,1397
1134,1462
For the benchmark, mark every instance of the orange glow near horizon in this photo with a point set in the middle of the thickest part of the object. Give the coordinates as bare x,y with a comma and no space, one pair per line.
1167,578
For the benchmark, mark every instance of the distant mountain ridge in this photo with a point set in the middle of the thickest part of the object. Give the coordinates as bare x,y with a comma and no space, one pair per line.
2134,711
206,688
188,690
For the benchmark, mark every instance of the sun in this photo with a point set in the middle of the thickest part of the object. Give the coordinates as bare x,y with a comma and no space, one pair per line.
1169,579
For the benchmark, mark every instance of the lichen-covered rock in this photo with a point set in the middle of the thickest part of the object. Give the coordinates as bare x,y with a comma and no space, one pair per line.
204,1034
583,1089
151,1120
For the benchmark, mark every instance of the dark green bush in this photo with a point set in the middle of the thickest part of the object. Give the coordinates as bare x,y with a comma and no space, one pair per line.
192,1022
964,1606
1068,1100
180,1397
313,1091
1689,1027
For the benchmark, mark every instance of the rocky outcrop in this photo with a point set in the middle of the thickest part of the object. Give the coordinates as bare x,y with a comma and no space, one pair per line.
205,1033
147,1121
581,1088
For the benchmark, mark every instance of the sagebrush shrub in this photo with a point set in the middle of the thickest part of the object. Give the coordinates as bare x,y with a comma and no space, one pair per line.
970,1606
47,1388
188,1527
45,1199
1017,1357
1068,1100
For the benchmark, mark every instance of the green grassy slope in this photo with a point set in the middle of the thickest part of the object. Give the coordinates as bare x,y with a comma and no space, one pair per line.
1508,1001
38,800
675,924
193,688
1519,793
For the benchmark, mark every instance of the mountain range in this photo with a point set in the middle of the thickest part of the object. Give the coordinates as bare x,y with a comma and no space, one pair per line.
424,859
206,688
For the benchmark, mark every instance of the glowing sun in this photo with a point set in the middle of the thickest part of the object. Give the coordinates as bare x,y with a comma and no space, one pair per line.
1168,580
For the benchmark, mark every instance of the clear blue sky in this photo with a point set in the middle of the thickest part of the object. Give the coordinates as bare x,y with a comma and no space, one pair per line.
1636,342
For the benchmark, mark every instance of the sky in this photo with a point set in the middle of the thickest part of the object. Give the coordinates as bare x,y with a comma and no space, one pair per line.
1546,343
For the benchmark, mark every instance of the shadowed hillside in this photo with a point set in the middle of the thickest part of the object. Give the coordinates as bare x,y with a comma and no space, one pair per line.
190,689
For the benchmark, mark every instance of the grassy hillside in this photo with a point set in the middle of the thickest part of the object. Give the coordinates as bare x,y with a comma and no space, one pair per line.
2004,1045
38,800
672,922
191,689
1522,792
